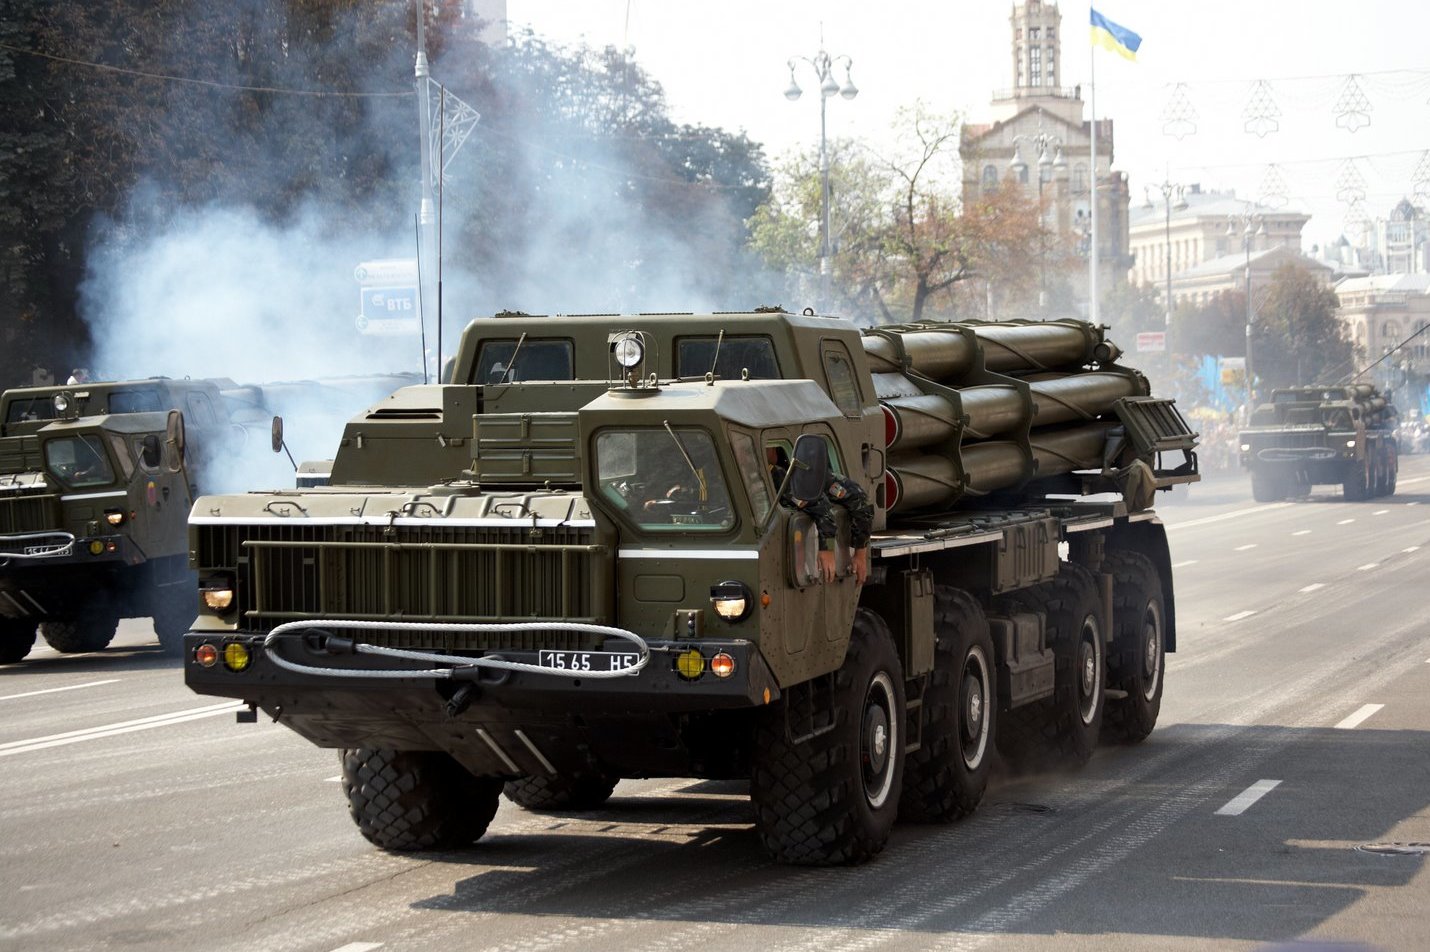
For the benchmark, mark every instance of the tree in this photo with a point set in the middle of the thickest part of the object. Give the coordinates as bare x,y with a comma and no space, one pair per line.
906,244
1296,336
1131,309
1217,328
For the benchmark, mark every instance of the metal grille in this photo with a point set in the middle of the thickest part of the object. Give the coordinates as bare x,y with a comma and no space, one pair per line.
426,574
28,513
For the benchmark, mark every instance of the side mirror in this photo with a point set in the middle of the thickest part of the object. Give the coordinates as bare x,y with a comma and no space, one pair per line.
174,437
277,434
152,453
811,468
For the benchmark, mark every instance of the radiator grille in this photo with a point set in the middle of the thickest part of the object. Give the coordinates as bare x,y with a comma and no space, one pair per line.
28,513
422,574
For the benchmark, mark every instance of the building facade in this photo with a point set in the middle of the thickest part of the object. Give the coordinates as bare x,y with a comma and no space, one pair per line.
1039,138
1386,313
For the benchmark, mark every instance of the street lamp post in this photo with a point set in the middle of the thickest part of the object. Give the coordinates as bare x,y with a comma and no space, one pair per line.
823,65
1168,189
1050,160
1252,227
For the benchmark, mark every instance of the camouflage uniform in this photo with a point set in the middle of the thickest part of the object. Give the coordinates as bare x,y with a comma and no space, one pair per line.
841,491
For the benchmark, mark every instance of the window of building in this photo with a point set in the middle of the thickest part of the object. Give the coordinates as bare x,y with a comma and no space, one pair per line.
990,177
1079,180
1034,33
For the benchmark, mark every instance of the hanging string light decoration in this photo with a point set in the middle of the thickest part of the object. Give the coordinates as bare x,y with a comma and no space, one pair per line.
1274,193
1179,116
1262,116
1352,108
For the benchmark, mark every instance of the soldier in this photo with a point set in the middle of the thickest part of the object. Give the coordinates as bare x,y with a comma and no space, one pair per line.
841,491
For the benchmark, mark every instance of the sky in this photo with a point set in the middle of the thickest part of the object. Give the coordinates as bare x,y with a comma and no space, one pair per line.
1361,65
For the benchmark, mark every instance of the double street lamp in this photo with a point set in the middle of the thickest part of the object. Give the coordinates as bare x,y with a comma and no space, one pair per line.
1168,189
1050,161
1252,227
823,65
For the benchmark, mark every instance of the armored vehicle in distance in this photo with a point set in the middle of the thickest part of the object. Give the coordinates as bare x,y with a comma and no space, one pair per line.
1309,436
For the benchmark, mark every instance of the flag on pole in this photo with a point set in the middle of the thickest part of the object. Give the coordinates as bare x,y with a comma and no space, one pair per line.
1118,39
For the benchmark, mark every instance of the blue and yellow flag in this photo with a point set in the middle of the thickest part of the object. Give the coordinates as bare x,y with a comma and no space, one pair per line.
1116,38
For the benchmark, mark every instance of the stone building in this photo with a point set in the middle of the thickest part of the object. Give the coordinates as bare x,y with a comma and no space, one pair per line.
1380,312
1039,138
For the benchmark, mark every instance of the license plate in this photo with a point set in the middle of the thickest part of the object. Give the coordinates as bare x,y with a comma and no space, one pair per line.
588,660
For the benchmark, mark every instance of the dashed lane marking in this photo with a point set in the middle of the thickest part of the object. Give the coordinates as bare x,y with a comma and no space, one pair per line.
110,730
1243,548
68,687
1345,522
1243,801
1413,548
1367,567
1179,565
1236,514
1240,615
1359,716
1312,587
1301,532
1380,512
358,947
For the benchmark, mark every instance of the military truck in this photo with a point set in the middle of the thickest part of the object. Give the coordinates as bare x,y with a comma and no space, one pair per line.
96,483
501,590
1308,436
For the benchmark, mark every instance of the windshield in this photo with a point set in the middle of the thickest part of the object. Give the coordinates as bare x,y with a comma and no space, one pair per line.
664,479
79,461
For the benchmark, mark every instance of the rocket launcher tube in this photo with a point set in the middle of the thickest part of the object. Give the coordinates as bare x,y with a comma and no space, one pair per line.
948,355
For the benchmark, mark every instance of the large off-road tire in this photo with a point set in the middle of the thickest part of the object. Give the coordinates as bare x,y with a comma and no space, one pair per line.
17,637
416,799
175,607
584,791
1394,471
1266,488
1355,487
1136,663
91,630
833,798
946,777
1064,728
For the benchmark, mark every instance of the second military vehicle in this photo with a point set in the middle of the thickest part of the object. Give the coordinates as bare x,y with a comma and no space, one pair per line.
96,482
575,564
1309,436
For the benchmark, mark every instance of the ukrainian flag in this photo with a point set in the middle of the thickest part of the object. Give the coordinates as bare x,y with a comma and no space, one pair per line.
1116,38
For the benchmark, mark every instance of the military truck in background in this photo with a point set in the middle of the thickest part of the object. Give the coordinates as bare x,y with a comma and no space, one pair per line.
1309,436
96,483
571,565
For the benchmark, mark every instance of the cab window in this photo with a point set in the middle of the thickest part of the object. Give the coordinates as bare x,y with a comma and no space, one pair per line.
121,453
697,356
135,401
664,480
839,372
25,409
535,360
79,461
201,410
752,468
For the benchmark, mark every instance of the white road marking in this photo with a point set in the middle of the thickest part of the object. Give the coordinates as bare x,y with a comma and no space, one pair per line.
1413,548
1179,565
1243,801
1240,615
1416,503
1367,567
1227,515
337,779
110,730
358,947
70,687
1380,512
1345,522
1359,716
1243,548
1301,532
1312,587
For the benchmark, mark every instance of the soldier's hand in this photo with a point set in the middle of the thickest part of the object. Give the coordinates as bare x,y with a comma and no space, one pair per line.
861,565
826,565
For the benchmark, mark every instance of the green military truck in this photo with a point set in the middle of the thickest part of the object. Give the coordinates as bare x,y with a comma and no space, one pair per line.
571,565
1309,436
96,483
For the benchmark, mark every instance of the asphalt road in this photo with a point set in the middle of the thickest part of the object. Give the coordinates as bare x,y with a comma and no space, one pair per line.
1283,795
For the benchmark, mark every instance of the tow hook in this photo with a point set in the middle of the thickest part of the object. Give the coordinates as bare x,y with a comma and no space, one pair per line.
462,699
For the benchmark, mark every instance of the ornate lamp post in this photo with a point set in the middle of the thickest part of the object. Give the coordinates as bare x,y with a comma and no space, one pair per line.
1168,189
1049,150
1252,227
823,65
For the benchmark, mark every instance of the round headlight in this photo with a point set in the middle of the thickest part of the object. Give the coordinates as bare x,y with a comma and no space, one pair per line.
61,402
732,600
115,517
1246,447
628,352
218,599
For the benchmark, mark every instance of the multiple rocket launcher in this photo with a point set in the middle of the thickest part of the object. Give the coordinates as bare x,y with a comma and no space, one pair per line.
972,408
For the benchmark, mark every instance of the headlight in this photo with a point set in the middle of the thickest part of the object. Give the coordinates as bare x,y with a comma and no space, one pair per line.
1246,447
732,600
115,517
628,352
217,599
1350,444
61,402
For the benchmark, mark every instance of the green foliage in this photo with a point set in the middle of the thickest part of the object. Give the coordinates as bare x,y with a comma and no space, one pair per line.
1297,338
1131,309
1217,328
